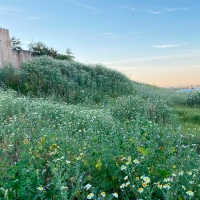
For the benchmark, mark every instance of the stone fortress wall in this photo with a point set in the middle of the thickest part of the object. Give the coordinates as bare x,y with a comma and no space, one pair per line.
5,46
7,54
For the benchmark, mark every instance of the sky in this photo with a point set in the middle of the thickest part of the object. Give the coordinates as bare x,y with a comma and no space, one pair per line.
151,41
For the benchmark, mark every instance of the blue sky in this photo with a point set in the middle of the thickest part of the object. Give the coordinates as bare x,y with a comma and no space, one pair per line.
152,41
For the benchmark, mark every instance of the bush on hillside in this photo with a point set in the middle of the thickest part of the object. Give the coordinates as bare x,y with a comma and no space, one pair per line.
129,108
159,111
72,82
193,99
135,107
9,77
63,57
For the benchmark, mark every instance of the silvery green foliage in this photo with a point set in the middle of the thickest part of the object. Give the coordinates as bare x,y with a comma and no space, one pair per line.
193,99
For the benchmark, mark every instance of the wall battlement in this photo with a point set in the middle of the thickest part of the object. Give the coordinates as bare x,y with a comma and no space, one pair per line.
4,31
7,54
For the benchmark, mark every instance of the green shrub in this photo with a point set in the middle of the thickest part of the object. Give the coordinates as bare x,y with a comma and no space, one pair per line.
135,107
9,77
159,111
193,99
71,82
129,108
64,57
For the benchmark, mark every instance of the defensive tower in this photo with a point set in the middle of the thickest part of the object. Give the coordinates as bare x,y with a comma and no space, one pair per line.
5,46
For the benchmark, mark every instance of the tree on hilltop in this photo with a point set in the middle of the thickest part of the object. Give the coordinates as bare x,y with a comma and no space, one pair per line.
40,49
67,56
69,53
15,43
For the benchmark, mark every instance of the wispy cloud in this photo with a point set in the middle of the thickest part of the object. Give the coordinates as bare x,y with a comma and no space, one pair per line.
177,9
125,7
37,17
111,35
166,57
155,12
84,6
168,46
4,9
143,9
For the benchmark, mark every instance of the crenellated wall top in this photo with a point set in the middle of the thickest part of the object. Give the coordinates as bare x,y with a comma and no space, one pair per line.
4,31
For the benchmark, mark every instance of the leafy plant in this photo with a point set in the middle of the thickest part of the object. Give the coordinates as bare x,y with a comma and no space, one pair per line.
193,99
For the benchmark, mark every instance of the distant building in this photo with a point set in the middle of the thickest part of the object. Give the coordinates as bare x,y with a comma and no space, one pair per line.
7,54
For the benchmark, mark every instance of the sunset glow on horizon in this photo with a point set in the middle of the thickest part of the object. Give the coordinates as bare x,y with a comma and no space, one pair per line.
154,42
166,71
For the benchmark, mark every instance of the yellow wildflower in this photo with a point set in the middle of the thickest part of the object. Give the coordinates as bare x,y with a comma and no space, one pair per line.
166,186
181,173
190,193
140,190
115,195
40,188
123,167
136,161
90,196
103,194
144,184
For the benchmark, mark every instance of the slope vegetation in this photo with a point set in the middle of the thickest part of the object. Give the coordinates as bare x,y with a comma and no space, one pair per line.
73,131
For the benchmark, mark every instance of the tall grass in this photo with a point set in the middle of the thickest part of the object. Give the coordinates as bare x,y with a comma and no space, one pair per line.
171,96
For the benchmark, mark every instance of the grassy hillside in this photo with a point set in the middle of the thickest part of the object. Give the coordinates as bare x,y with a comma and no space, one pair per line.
75,82
72,131
71,82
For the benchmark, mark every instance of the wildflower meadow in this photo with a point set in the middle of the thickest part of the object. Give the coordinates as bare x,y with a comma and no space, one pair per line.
72,131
